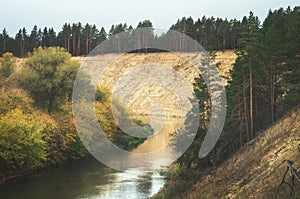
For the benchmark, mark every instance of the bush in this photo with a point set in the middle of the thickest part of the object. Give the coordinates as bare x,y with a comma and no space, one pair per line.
7,66
21,140
48,75
22,132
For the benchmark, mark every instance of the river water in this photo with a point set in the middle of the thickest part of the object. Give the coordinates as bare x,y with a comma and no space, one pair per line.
89,179
85,179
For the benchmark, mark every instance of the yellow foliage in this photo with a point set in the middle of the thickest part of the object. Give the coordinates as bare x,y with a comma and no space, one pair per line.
21,138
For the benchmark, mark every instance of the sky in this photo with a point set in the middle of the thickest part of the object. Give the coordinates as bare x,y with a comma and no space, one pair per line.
16,14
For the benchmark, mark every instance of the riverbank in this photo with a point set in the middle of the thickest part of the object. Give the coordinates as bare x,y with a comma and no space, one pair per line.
263,158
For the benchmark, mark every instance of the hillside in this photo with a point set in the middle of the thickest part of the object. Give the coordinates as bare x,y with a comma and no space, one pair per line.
256,170
145,93
151,93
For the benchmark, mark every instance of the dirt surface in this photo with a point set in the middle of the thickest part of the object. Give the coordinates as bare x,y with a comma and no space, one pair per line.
164,92
256,171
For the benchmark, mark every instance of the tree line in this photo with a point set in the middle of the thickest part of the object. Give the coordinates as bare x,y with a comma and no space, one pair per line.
212,33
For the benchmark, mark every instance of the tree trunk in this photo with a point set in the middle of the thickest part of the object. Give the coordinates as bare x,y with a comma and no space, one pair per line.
180,43
23,43
21,47
139,41
68,43
251,99
74,44
224,42
78,46
245,108
272,94
118,44
240,117
4,45
87,44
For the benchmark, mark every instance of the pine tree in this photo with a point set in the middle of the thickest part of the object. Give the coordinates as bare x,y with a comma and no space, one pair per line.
19,42
45,38
4,37
249,43
87,34
52,37
34,38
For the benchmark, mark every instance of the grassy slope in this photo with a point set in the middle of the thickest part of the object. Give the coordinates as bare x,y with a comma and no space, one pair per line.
252,172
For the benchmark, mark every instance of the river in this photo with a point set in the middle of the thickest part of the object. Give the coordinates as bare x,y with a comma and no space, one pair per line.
85,179
89,179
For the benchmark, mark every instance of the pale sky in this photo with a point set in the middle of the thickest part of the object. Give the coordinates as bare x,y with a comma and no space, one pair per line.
15,14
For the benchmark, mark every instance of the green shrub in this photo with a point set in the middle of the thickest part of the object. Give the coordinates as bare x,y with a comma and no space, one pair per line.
7,65
21,140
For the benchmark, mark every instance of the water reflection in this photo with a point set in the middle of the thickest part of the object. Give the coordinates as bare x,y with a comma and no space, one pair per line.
131,184
85,179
